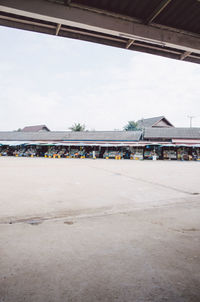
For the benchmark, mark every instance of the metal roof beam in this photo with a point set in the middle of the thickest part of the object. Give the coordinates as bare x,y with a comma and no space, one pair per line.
129,43
185,55
157,11
101,24
58,27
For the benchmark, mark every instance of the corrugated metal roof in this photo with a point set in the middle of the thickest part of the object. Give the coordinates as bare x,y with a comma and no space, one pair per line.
170,133
177,14
132,8
181,14
70,135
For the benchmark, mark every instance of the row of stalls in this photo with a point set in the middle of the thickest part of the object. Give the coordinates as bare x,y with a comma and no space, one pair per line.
147,151
172,152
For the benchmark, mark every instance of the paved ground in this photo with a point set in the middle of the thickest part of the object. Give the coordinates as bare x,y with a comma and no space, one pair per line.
84,230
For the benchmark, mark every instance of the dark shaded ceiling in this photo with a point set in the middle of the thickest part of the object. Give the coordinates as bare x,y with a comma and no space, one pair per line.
176,16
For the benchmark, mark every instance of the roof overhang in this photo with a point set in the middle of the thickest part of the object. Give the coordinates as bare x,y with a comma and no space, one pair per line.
94,25
186,141
174,143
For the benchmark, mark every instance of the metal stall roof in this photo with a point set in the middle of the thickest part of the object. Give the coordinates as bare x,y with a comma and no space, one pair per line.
172,133
70,136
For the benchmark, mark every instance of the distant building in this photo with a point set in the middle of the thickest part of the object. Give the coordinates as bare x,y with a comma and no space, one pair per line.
154,122
37,128
174,135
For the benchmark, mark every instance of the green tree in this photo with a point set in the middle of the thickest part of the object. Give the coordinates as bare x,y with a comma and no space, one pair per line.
77,127
131,126
18,130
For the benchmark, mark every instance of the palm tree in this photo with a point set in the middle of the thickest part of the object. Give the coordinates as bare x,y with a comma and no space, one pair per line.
77,127
131,126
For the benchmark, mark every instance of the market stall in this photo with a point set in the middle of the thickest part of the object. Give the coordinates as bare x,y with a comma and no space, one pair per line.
137,153
152,152
169,152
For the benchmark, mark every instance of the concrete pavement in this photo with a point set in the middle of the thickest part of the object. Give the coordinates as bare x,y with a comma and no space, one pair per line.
84,230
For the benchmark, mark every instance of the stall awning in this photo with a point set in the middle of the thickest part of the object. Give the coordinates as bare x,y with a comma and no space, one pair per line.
12,143
188,142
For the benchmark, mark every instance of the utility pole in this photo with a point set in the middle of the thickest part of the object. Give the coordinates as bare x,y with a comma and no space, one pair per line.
191,117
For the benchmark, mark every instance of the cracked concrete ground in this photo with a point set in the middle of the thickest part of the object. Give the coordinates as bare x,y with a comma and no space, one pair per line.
84,230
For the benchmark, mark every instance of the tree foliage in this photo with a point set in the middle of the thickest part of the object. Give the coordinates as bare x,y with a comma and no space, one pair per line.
131,126
77,127
18,130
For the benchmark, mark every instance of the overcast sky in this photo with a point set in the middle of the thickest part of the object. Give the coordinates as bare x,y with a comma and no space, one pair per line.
58,81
